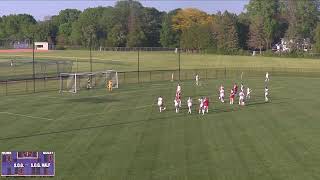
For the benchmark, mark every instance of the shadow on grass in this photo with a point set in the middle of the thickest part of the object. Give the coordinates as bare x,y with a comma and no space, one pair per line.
233,108
94,100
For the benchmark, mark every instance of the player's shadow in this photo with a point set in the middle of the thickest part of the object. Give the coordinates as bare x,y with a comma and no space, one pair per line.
95,100
160,119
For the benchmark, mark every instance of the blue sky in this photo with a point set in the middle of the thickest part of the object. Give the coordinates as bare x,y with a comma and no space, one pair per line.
41,8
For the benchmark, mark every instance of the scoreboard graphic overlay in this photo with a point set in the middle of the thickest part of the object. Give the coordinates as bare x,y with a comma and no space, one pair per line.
27,163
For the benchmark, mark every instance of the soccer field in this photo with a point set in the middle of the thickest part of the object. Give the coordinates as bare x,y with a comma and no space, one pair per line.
121,135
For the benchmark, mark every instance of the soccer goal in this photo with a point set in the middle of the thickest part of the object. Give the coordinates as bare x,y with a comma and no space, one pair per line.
113,76
73,82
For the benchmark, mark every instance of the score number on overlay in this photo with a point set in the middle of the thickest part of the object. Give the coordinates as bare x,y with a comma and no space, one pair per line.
27,163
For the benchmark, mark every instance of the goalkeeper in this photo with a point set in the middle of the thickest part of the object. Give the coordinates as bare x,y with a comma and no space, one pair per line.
109,85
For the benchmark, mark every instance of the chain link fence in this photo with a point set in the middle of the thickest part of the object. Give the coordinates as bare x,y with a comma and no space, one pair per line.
51,83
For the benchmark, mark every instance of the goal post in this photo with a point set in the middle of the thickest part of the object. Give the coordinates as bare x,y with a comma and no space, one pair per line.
73,82
113,76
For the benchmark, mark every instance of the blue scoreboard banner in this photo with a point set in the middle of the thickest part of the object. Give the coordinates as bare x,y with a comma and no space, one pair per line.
27,163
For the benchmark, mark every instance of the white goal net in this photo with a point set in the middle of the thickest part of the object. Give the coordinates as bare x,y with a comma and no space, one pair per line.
113,76
73,82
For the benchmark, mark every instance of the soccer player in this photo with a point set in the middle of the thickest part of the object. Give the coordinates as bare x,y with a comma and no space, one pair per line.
205,105
241,87
189,102
176,104
200,104
241,98
248,93
267,77
89,83
161,104
266,93
221,97
235,89
231,96
197,79
178,88
110,85
178,96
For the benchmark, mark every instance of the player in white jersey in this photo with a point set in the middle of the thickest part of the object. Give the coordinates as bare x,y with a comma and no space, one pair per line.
178,88
161,104
267,77
200,104
221,97
241,98
197,79
176,104
189,102
248,93
266,93
241,87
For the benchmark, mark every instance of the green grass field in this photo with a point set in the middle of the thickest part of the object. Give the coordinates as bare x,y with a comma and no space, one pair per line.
121,135
128,61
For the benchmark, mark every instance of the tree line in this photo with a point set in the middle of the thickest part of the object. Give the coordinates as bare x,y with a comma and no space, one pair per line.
129,24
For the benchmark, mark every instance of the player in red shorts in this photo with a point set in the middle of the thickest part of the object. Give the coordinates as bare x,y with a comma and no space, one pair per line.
205,105
231,96
178,98
235,89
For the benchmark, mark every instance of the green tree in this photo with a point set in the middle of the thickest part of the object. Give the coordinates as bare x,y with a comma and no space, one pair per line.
151,26
317,38
197,37
225,32
169,37
302,17
268,11
256,34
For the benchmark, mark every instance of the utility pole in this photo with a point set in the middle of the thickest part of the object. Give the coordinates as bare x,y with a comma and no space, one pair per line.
34,72
179,58
138,65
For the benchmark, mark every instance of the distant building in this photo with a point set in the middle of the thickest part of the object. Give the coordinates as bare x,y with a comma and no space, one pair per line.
42,46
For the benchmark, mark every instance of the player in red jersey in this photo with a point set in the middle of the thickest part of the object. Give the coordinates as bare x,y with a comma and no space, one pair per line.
231,96
205,105
235,89
178,98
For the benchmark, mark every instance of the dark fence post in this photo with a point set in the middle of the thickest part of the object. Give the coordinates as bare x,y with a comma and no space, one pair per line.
206,74
26,85
225,73
33,74
6,87
138,65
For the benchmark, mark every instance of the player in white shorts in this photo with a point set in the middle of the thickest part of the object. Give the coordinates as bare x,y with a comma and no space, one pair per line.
241,98
248,93
266,93
200,104
161,104
197,79
189,102
221,97
267,77
176,104
178,88
241,87
205,105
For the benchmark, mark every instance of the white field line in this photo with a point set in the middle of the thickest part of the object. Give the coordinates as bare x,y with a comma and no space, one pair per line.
115,110
61,57
28,116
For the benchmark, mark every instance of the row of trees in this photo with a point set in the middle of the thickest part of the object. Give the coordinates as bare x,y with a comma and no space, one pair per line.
130,24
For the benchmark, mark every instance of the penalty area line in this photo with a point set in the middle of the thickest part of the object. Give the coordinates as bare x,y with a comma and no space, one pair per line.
23,115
